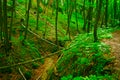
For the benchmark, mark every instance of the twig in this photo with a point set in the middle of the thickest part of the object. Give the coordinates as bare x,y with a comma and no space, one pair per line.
22,74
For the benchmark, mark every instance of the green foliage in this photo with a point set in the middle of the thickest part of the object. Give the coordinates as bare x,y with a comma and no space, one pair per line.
8,70
28,75
21,1
1,55
35,65
40,10
32,47
106,33
84,57
91,77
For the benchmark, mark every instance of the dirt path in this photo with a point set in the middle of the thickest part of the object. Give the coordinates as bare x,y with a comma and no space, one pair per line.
42,73
115,49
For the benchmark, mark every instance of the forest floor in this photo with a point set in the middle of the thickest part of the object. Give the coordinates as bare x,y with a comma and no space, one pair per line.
114,43
42,73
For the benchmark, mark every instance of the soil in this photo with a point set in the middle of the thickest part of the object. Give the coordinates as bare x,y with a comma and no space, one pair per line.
42,73
114,43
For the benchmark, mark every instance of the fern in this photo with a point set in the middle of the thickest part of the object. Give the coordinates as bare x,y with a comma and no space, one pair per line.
84,55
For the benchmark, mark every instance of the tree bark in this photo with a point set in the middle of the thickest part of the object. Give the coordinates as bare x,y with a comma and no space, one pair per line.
99,6
76,16
38,2
6,39
84,26
27,19
89,16
115,8
12,16
106,13
56,21
1,22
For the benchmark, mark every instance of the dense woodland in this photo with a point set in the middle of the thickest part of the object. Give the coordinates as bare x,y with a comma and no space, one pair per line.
59,39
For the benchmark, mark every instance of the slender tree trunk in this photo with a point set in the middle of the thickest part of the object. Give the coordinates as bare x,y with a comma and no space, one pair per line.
119,12
56,21
106,13
1,22
38,2
27,20
12,16
84,26
115,8
76,16
89,16
69,14
6,40
99,6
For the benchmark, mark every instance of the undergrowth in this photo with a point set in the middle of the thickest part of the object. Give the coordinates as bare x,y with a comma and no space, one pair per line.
86,59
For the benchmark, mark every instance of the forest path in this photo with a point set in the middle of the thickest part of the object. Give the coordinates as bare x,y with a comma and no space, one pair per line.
115,50
42,73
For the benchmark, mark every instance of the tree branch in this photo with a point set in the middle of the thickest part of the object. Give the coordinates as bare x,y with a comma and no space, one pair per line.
22,74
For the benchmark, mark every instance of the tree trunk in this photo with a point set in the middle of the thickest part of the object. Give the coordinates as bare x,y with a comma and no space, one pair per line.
56,21
1,22
99,6
115,8
12,16
27,19
38,2
69,14
6,40
106,13
76,16
89,15
84,26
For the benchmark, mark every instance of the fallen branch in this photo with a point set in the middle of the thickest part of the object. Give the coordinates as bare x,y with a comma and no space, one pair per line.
40,37
22,74
33,60
37,34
